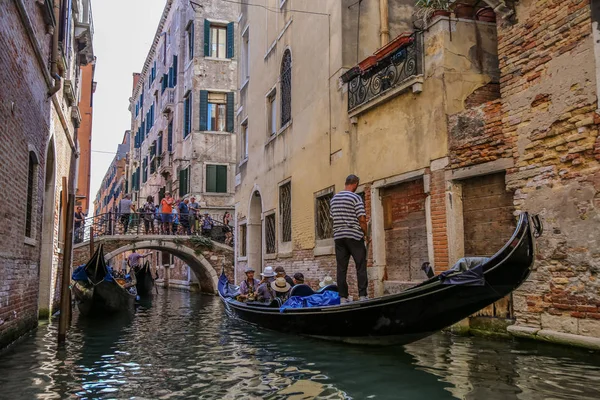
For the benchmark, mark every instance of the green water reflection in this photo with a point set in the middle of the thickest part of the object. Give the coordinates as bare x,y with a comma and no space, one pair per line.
183,346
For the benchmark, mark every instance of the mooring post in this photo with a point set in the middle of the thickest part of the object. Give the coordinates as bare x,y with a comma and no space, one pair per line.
65,292
91,241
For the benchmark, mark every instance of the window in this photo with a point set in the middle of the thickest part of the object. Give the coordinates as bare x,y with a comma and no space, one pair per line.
244,139
246,55
144,169
272,113
172,76
159,143
286,88
243,235
218,40
270,236
216,111
285,211
324,222
190,39
31,186
187,115
184,175
216,178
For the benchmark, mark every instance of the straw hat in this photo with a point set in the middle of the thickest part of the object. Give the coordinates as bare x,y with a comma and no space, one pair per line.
327,281
248,269
280,285
268,272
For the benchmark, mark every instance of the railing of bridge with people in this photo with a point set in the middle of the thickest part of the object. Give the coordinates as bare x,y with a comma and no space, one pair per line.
140,224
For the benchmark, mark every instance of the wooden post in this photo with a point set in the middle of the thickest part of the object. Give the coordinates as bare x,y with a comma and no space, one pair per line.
65,292
91,241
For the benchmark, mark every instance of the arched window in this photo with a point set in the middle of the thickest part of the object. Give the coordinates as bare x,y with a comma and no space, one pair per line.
31,186
286,88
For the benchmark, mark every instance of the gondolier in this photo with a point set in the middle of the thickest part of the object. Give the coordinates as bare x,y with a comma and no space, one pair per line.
134,259
350,234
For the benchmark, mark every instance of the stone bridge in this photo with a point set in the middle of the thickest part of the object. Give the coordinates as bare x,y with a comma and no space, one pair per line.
205,262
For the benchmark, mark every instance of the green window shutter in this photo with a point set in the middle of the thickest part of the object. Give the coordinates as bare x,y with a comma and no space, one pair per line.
230,39
183,182
175,69
203,110
211,178
192,40
230,105
221,179
206,38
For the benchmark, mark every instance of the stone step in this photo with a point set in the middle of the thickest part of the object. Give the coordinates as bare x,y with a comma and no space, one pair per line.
393,287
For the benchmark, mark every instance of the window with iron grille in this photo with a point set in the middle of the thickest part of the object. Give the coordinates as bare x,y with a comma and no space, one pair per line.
324,222
286,88
243,234
270,234
30,187
285,211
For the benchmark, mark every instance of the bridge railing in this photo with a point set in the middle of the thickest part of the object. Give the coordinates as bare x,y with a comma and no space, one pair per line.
141,224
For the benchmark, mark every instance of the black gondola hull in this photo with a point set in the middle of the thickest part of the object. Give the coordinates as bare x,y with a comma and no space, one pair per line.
145,282
99,295
408,316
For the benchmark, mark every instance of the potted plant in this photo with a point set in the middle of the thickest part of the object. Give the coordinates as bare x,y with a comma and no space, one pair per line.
486,14
428,9
464,11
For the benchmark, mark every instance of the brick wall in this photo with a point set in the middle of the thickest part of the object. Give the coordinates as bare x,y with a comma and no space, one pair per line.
25,116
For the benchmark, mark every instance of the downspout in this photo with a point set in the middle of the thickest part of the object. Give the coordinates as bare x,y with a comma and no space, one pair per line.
54,62
384,22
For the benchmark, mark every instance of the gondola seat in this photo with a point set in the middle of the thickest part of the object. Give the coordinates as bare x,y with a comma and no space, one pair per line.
302,290
332,288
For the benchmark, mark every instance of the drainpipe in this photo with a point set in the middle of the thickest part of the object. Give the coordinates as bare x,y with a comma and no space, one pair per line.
54,61
384,22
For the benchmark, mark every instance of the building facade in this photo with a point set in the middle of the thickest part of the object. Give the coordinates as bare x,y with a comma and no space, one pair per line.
84,135
114,185
453,131
42,46
182,135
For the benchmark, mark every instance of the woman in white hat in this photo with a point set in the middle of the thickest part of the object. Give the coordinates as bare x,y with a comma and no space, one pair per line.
326,282
264,289
249,285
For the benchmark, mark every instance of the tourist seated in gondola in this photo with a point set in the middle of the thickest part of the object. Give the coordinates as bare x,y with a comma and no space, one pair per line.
248,286
327,281
281,288
298,278
280,271
263,293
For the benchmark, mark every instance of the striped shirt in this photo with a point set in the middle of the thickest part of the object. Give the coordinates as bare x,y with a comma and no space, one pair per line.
346,208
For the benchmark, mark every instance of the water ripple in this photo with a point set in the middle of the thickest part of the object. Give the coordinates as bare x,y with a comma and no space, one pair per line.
182,346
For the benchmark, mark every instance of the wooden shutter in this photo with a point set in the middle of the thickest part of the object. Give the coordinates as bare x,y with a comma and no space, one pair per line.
170,137
174,71
230,105
206,38
221,179
183,182
211,178
203,110
187,117
230,40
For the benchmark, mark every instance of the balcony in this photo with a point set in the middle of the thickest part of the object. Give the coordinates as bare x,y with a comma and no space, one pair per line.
167,101
84,32
69,92
393,69
166,164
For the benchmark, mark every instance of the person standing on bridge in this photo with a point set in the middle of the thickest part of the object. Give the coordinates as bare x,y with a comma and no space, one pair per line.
166,209
350,234
125,208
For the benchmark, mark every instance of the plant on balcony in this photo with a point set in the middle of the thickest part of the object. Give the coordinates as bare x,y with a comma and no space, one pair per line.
427,9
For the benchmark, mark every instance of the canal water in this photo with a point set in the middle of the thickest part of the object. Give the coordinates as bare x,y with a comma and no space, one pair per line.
182,346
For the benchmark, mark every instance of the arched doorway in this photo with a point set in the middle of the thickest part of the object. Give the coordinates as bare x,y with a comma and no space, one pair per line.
46,288
255,242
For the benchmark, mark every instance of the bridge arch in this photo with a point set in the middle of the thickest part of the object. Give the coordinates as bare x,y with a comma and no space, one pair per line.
204,271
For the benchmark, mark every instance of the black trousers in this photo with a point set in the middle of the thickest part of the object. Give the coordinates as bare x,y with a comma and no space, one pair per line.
125,222
344,248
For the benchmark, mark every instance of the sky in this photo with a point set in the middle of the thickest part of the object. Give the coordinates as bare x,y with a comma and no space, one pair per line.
123,33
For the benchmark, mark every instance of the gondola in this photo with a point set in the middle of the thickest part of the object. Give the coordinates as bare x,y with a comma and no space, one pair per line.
96,291
413,314
144,279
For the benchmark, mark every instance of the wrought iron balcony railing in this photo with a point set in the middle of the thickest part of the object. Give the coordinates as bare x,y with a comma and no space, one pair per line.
386,73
